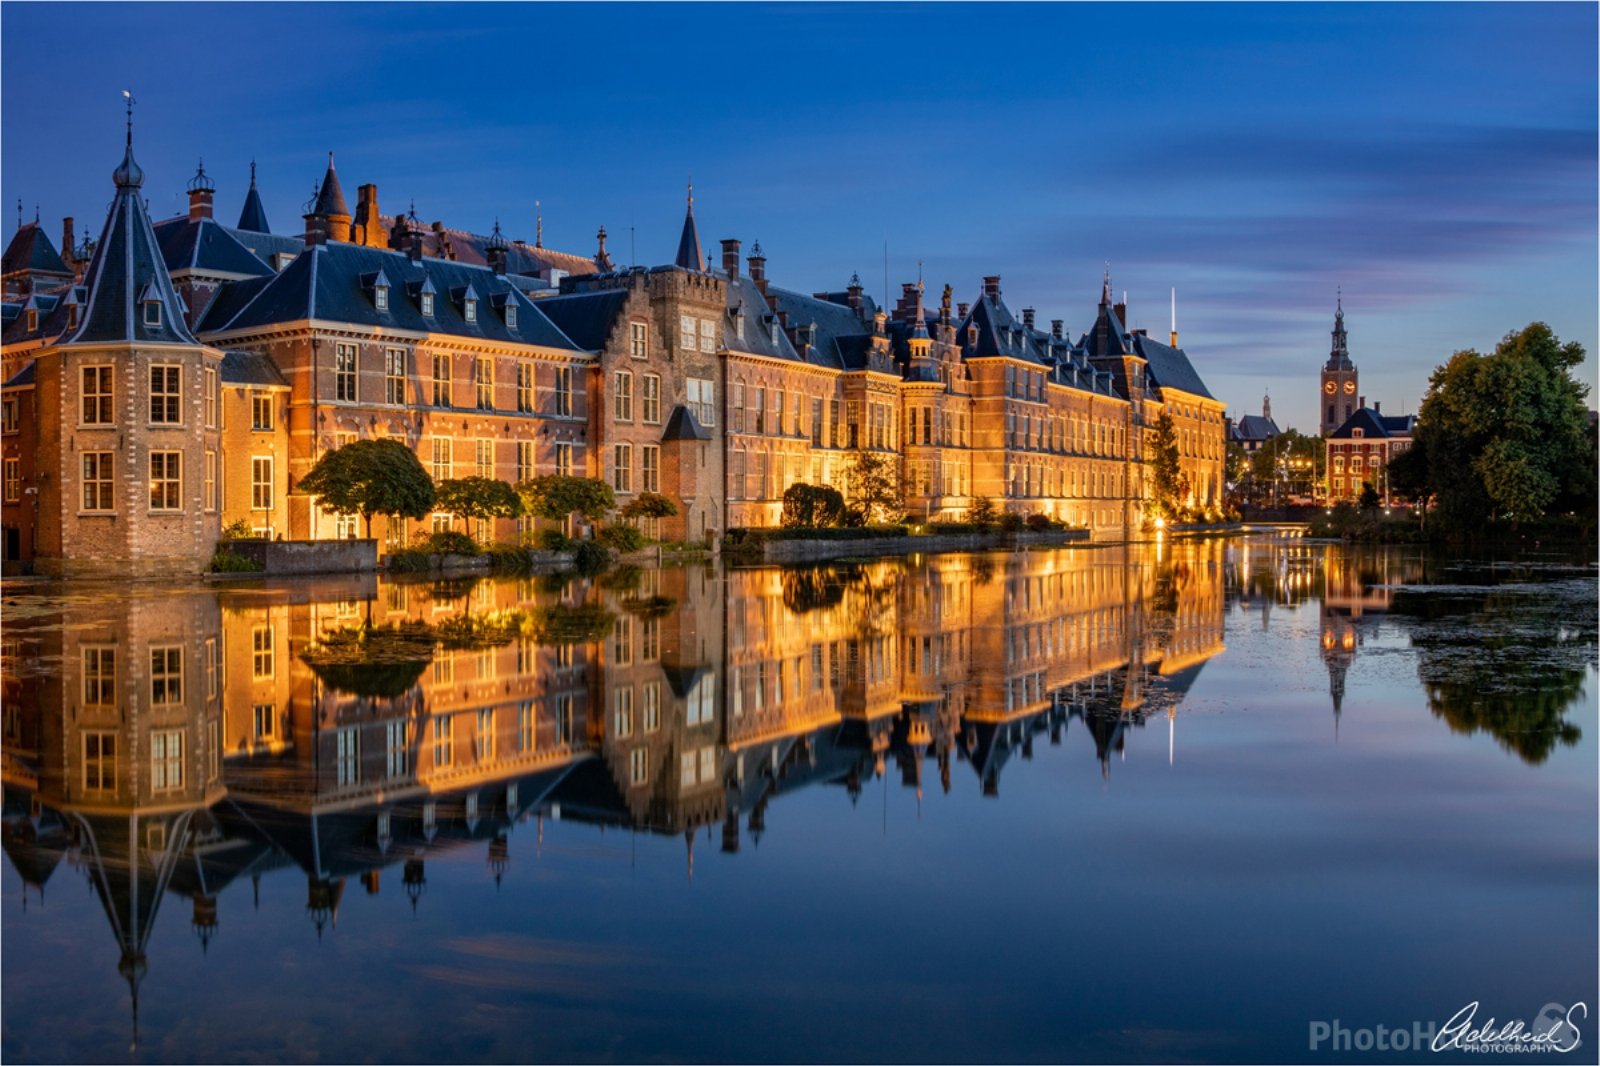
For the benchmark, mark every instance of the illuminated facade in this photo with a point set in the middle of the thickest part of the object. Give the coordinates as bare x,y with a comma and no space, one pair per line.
220,363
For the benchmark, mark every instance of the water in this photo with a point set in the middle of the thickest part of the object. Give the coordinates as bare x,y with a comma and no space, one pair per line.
1173,802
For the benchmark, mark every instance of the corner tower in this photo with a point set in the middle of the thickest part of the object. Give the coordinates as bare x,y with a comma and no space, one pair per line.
1339,386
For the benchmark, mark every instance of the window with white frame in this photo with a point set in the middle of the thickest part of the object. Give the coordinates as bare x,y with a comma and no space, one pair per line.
10,415
427,304
622,712
166,674
213,386
639,340
622,468
650,469
511,314
166,760
441,458
394,376
99,675
441,379
650,705
708,335
444,747
564,391
397,751
98,479
166,481
686,332
525,386
526,451
483,377
260,411
639,766
702,397
622,391
261,483
484,458
483,735
100,762
622,641
347,755
564,460
13,480
262,666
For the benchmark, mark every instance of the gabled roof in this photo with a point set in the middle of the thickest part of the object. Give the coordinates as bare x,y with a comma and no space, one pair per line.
1255,428
1000,334
128,262
1108,337
586,317
761,335
254,215
1375,425
206,246
31,250
325,283
684,426
251,368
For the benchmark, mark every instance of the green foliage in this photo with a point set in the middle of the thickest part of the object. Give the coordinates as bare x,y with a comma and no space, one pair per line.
552,540
368,477
983,512
1011,522
812,506
621,538
817,588
449,542
227,562
478,498
1505,434
239,530
555,496
649,505
590,557
1166,479
872,486
410,561
379,662
1039,523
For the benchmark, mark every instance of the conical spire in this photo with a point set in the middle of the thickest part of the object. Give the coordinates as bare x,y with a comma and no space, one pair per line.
254,215
689,255
128,175
1339,355
330,199
1105,288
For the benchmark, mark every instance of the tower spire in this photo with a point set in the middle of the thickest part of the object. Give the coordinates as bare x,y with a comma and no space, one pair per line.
538,224
690,256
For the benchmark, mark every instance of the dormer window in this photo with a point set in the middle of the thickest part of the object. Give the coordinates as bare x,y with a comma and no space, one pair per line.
469,309
380,297
72,316
33,320
427,305
1357,433
152,313
511,315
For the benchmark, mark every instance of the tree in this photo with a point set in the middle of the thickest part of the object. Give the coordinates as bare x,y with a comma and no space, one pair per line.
872,485
1166,482
555,496
1505,434
1370,500
649,505
478,498
983,512
368,477
812,506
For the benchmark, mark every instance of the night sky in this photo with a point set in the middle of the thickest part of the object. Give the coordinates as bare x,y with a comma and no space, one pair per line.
1436,161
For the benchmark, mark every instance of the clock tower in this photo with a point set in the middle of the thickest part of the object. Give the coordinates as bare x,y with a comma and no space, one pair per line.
1338,396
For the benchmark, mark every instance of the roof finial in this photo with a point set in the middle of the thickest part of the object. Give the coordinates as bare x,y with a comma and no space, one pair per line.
538,225
127,94
35,214
1339,299
19,212
330,160
691,194
252,173
1105,287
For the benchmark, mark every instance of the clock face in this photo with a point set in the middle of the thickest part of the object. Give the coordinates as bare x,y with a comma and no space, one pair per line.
1329,387
1349,387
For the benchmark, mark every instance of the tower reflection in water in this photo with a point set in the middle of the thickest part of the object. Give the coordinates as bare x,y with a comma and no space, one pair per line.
189,744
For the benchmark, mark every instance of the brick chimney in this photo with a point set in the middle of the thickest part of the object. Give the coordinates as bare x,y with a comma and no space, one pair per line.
758,267
730,257
367,229
1122,313
853,294
905,309
1027,318
69,247
991,286
1362,403
202,192
1377,407
1056,326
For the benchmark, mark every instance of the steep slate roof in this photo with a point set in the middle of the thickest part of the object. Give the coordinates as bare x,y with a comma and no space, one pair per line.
206,246
54,309
330,198
690,257
254,215
31,250
521,258
251,368
760,338
329,282
1375,426
127,267
1169,367
1254,428
843,337
586,317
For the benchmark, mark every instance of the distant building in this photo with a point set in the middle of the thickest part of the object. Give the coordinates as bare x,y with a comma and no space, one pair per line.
1338,379
1252,431
1360,450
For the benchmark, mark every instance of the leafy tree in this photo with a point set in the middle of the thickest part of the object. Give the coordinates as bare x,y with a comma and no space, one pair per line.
812,506
1167,481
1505,434
649,505
368,477
872,485
1408,474
1369,497
555,496
983,512
478,498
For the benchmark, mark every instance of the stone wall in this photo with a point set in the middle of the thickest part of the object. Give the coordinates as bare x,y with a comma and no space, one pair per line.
808,551
278,557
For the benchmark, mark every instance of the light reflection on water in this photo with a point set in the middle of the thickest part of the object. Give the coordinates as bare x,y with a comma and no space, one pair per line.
758,814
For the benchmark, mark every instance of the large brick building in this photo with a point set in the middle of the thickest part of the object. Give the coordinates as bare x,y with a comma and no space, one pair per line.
178,377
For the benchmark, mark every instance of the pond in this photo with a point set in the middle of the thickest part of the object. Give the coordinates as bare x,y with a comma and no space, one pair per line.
1178,801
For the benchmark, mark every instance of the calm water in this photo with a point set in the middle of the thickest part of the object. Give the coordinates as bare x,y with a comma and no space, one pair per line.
1171,802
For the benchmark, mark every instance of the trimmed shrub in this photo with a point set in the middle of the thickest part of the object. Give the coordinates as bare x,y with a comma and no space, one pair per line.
553,540
1010,522
1039,523
449,543
227,562
590,557
622,538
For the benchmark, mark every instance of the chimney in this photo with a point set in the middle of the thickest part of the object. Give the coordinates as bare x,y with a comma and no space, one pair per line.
68,245
202,192
1056,326
316,231
1377,407
853,293
447,248
991,286
414,249
1027,318
961,310
730,257
905,308
758,267
1122,312
1362,403
367,230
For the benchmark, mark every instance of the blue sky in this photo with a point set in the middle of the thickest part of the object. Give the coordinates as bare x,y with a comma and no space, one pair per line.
1437,161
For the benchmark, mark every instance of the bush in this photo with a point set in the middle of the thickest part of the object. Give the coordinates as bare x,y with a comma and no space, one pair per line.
1010,522
1039,523
591,558
449,543
812,506
240,530
509,559
410,561
227,562
649,505
553,540
983,512
622,538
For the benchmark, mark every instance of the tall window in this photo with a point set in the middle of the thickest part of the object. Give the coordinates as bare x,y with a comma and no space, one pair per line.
261,411
652,706
525,386
261,660
97,481
441,458
261,483
166,481
708,335
525,459
758,410
397,756
99,676
483,375
266,722
10,415
623,391
622,468
212,387
564,460
100,762
736,400
816,421
166,674
166,760
13,480
563,390
347,751
686,332
622,713
441,379
444,748
527,738
166,389
344,372
639,340
211,480
650,457
394,375
651,398
484,458
483,739
777,412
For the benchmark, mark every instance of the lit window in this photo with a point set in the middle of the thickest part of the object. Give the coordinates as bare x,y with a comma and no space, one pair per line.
166,675
483,376
652,399
470,310
165,393
33,320
564,460
166,481
441,379
261,483
427,305
394,375
166,760
525,460
484,456
261,411
261,658
441,458
211,480
97,481
344,372
380,297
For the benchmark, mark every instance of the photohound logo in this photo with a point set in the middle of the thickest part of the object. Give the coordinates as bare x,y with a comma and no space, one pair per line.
1554,1031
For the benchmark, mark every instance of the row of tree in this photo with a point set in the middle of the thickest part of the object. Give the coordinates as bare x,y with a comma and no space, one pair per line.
384,477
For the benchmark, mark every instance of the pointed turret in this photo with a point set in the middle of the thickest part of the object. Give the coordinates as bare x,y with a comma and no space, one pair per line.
689,255
131,297
329,215
254,215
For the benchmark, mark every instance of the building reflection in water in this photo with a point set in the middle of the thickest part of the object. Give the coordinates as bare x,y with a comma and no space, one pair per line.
341,728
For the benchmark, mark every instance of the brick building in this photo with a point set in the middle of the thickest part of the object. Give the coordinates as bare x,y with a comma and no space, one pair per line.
229,360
